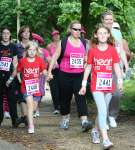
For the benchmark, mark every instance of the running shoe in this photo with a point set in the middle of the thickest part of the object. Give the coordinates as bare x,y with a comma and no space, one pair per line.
56,112
107,127
36,114
86,125
31,130
95,136
64,124
112,122
7,115
22,120
107,144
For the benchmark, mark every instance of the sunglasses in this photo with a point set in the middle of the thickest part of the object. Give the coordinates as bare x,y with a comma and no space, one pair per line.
76,29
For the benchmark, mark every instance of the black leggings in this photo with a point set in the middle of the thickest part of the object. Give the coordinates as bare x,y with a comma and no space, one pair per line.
54,87
10,92
70,83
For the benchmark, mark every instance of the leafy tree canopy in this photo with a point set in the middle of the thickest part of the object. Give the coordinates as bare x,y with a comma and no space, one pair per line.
43,15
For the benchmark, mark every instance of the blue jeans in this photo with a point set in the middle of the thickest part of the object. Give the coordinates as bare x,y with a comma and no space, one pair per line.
102,101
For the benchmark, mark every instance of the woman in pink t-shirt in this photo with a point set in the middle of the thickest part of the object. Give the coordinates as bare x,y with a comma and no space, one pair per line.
70,76
102,58
31,67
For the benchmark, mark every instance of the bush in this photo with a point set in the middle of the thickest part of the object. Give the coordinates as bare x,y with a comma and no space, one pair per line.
128,99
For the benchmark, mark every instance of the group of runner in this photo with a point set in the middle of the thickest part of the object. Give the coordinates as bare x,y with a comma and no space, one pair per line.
24,69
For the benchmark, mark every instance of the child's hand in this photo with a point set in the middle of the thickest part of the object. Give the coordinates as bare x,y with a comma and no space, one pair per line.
82,90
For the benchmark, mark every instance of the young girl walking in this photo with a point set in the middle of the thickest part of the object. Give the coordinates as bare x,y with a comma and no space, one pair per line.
31,67
102,59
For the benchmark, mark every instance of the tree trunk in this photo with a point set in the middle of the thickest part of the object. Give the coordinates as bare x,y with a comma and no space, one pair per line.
85,16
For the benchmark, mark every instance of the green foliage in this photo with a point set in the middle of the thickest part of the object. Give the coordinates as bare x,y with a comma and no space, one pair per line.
96,9
8,14
43,15
128,100
40,15
69,11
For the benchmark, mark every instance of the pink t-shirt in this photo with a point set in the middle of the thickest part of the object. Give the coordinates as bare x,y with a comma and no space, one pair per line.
102,66
52,48
30,75
45,53
73,59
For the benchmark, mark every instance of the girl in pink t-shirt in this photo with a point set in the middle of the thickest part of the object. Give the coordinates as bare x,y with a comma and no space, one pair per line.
102,59
31,66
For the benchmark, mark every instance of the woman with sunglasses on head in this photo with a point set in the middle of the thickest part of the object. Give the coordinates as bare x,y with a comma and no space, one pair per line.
70,76
107,19
8,63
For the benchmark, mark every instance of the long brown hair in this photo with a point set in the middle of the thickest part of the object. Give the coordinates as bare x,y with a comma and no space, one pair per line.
22,29
94,40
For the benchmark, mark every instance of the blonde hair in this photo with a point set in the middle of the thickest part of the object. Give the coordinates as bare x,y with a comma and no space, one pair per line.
31,44
71,25
108,12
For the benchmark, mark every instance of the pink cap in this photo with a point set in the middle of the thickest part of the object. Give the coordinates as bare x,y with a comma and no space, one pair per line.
83,31
55,32
38,38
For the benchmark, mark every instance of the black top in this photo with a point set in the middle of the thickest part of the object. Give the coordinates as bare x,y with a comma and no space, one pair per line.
7,52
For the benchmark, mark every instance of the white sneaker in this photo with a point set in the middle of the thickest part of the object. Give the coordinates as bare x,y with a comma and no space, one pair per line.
107,144
107,127
31,130
56,112
95,136
6,115
64,124
112,122
36,114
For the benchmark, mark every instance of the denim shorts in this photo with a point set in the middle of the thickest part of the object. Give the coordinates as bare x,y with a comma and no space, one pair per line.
35,98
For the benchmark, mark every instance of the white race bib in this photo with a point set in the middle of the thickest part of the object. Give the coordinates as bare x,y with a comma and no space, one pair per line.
5,63
76,60
32,86
104,81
